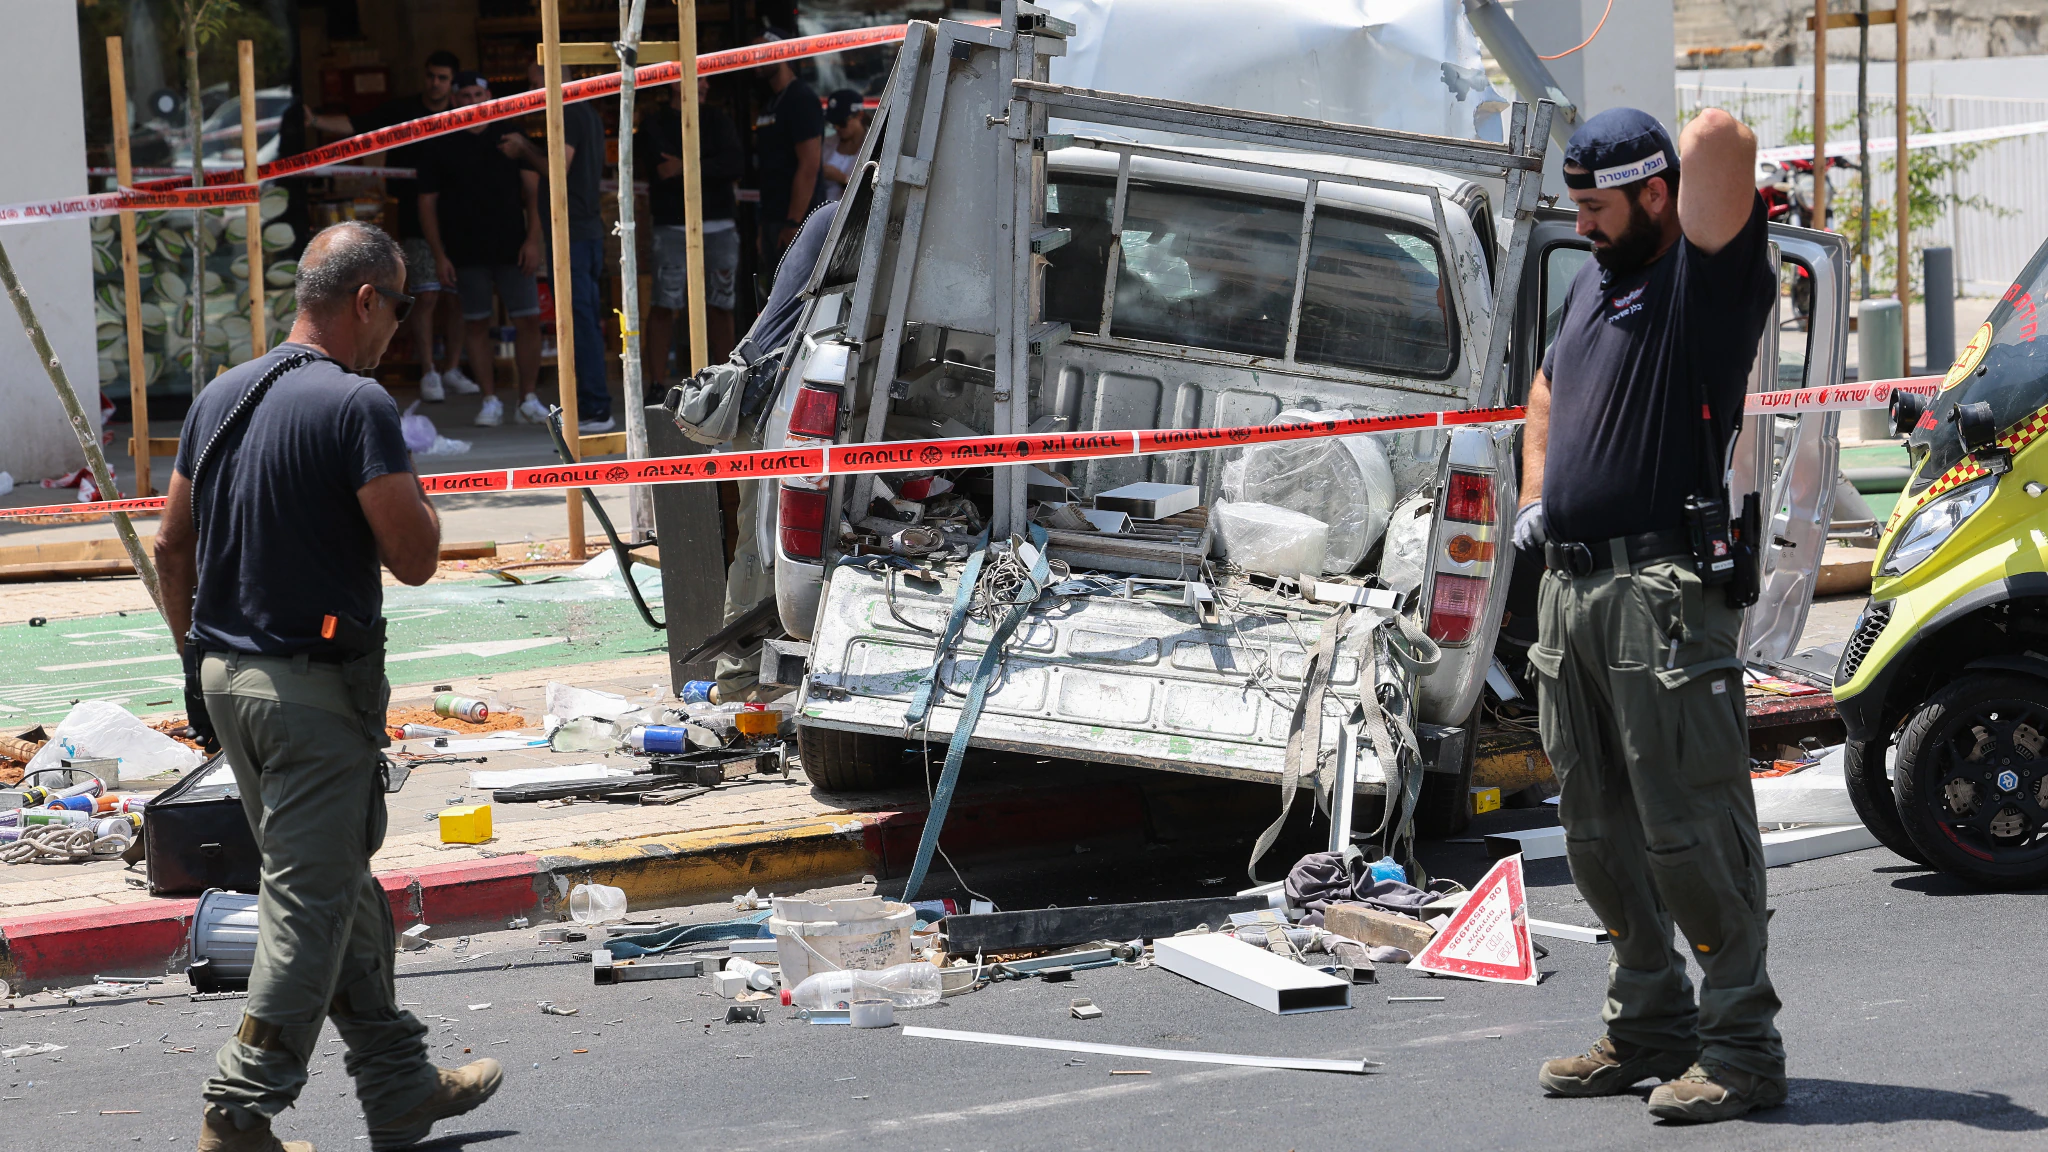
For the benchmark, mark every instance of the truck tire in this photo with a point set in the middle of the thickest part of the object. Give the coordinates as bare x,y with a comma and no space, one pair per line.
841,761
1970,777
1871,793
1445,807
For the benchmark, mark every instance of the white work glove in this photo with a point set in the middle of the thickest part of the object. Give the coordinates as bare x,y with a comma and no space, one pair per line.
1531,531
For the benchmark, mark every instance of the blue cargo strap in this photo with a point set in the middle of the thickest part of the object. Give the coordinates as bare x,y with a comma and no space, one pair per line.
977,692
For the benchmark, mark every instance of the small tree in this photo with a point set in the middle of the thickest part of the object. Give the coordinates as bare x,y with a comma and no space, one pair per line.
1931,177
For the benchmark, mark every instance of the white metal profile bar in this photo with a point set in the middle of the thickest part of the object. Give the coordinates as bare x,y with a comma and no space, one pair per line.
1308,228
1299,1063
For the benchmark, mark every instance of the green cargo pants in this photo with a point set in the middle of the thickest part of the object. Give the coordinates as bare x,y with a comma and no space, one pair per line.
1650,746
303,738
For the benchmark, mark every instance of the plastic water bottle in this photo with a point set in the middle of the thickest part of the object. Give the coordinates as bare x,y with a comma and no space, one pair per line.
913,985
659,738
1384,868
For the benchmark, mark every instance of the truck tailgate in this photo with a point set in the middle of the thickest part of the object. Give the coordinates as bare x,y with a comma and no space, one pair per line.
1138,681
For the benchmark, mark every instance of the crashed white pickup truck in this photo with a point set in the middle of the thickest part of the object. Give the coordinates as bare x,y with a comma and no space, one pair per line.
1005,264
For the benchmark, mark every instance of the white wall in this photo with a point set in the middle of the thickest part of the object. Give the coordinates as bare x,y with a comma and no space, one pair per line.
2011,77
45,158
1629,64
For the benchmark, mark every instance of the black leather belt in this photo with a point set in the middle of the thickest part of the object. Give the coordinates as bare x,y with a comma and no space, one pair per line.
1584,559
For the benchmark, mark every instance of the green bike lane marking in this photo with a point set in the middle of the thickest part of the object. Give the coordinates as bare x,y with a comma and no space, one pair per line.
440,632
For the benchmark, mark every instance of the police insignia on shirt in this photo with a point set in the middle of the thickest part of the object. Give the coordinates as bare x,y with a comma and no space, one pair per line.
1628,303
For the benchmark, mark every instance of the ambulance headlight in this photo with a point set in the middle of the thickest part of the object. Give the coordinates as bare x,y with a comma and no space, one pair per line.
1932,525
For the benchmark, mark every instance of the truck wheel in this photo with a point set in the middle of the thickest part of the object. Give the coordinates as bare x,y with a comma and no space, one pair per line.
1445,807
840,761
1876,803
1972,780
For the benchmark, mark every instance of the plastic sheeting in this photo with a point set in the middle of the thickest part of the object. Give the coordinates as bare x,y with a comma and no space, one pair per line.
1344,481
1401,562
1411,65
1270,539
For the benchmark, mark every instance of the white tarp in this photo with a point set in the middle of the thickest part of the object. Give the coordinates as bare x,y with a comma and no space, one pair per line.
1411,65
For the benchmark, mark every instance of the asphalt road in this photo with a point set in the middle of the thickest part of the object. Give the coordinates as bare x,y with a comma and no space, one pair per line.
1912,1021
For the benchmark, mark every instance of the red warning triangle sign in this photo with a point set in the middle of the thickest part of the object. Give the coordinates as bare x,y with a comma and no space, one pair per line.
1487,938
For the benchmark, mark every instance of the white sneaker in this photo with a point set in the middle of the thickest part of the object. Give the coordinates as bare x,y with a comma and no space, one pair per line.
459,383
430,388
491,414
593,427
532,411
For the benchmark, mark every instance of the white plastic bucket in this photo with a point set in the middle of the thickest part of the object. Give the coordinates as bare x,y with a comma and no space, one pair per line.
224,931
864,932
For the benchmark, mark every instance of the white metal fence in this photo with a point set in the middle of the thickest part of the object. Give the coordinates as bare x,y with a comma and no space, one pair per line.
1990,246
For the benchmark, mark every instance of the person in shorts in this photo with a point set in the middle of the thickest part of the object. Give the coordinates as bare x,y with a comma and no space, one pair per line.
658,150
480,211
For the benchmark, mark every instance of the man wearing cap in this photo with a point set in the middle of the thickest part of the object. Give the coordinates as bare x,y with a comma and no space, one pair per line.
1640,685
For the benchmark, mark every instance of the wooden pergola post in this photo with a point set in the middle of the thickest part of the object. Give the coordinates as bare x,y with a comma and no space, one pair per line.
693,185
1902,201
131,278
558,218
1819,113
245,55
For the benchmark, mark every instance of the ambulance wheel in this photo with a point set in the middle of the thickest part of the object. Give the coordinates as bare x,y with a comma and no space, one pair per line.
1870,791
1444,808
1972,780
840,761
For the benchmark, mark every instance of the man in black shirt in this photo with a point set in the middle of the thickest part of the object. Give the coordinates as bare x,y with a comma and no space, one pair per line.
658,149
480,211
1640,684
422,279
583,138
292,486
789,139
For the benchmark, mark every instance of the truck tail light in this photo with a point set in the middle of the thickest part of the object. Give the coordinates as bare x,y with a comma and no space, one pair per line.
800,520
1468,498
1455,607
816,413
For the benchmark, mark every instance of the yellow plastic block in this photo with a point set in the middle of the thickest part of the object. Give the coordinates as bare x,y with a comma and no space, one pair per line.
466,824
1483,800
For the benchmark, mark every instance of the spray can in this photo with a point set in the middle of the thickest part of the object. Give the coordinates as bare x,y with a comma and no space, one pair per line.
461,708
421,732
699,692
30,817
758,978
659,738
127,825
74,803
107,805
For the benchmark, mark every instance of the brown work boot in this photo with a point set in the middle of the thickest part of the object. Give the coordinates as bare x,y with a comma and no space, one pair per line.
217,1133
457,1092
1610,1068
1711,1090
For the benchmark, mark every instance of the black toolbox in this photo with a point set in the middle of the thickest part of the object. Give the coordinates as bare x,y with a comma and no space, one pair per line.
196,836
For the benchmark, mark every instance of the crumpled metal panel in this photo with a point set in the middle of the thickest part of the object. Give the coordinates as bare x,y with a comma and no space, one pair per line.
1140,682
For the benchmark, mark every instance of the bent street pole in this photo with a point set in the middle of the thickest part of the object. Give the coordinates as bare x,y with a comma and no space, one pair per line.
87,439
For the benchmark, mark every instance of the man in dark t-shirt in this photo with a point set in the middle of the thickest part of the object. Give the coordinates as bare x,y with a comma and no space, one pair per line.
422,279
292,487
789,136
480,210
1640,684
583,137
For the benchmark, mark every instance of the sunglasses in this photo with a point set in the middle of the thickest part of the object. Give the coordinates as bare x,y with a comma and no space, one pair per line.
401,304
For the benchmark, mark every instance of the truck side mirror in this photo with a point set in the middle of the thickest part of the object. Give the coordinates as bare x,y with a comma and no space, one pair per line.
1907,408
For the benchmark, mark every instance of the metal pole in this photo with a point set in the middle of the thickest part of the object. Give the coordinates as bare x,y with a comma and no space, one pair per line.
245,53
131,277
693,185
81,426
196,119
640,502
1525,70
558,217
1901,194
1863,142
1820,114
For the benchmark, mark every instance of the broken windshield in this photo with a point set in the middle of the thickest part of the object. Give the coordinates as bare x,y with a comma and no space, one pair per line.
2003,366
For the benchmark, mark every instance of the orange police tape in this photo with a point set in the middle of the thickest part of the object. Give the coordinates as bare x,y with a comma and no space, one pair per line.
890,456
590,88
108,203
973,451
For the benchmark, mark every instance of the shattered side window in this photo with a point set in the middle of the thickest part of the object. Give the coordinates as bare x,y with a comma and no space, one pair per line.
1375,299
1073,274
1207,269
